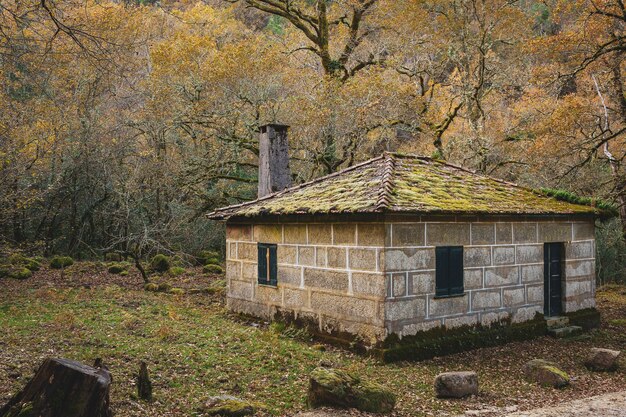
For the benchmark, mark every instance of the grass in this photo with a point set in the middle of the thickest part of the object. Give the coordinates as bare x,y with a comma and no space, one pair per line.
195,348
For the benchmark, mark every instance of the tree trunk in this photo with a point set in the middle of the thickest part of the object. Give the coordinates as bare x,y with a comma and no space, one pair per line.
144,386
142,271
618,95
63,388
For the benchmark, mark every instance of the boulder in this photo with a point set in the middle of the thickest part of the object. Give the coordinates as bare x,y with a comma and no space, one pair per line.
340,389
456,384
228,406
545,373
603,359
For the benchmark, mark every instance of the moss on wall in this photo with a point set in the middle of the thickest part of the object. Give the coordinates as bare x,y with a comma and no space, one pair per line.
588,318
441,341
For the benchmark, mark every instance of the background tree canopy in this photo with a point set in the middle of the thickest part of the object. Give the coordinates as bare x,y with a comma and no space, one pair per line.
125,122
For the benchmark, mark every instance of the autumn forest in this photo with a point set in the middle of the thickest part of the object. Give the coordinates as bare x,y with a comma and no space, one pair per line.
122,123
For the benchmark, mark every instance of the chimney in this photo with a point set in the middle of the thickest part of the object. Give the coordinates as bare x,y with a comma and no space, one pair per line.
274,172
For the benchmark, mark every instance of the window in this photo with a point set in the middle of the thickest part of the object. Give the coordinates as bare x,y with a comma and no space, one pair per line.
449,273
267,264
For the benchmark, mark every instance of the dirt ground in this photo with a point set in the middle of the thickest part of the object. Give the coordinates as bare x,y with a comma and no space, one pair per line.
195,349
607,405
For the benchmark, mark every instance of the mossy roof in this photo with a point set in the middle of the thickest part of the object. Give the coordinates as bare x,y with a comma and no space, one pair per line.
398,183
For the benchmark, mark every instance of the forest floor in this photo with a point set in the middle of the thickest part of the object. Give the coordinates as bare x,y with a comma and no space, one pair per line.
195,349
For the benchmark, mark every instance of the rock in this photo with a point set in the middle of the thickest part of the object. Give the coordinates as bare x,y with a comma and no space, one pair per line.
228,406
545,373
340,389
326,364
603,359
565,332
456,384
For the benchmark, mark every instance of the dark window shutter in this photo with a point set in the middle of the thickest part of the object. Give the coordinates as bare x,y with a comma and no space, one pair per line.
262,264
456,270
449,271
273,278
441,274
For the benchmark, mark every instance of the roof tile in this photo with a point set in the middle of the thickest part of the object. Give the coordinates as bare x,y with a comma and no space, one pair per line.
402,183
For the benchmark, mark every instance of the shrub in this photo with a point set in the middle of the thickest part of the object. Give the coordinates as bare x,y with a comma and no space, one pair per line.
16,259
176,271
20,273
213,269
22,261
160,263
113,257
4,271
60,262
117,268
206,255
152,287
610,253
217,287
32,264
177,260
212,261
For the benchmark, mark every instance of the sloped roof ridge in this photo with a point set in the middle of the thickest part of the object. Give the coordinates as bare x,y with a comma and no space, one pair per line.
299,186
386,188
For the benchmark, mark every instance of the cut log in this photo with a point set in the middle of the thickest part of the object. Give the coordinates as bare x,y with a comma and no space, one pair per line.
144,386
63,388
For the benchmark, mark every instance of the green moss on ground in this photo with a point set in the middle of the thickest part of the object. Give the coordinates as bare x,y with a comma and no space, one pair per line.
160,263
228,406
195,348
118,268
19,260
176,271
213,269
20,273
60,262
339,388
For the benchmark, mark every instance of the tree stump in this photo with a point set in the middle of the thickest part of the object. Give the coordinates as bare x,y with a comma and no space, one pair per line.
63,388
144,386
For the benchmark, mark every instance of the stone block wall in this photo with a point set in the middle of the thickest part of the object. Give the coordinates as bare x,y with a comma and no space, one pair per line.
377,278
503,271
328,273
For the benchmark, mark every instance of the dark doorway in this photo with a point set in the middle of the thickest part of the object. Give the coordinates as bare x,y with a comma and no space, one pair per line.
553,273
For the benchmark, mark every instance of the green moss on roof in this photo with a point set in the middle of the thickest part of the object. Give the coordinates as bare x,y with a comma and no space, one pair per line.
564,195
411,184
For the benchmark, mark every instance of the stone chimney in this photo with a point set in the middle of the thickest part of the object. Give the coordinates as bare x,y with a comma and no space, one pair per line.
274,172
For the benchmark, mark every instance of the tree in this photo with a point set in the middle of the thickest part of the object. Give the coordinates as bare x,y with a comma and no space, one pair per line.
335,31
592,37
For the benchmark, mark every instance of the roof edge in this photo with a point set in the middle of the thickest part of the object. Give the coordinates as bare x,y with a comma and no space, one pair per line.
387,183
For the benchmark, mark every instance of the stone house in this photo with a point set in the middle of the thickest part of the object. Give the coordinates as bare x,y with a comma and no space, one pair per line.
401,244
